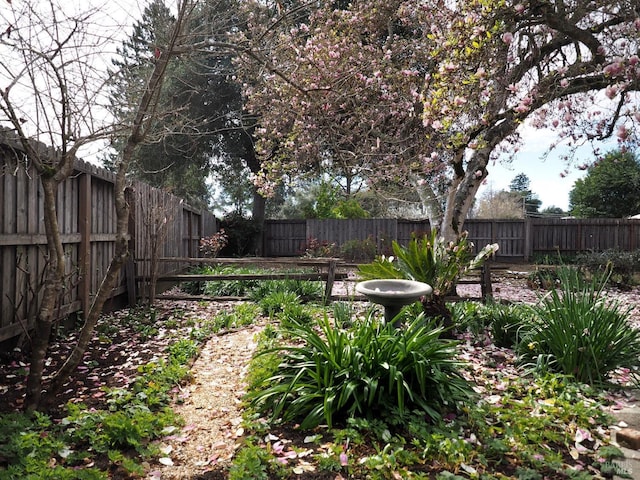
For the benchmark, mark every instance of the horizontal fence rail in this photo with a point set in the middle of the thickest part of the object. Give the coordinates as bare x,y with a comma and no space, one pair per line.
160,224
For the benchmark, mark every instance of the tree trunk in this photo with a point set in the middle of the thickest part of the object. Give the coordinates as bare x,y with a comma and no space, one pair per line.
469,174
429,201
258,215
258,212
144,115
54,281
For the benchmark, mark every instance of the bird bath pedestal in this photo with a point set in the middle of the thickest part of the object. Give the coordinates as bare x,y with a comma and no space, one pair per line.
393,294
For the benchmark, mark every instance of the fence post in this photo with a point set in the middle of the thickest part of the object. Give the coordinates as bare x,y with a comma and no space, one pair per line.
528,241
130,267
189,252
84,254
331,275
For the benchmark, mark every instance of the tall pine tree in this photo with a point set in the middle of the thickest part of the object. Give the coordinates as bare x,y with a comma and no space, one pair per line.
199,125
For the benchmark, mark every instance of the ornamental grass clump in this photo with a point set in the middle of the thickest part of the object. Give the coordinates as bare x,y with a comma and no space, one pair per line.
328,373
577,331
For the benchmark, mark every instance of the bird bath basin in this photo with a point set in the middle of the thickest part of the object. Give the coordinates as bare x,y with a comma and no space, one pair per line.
393,294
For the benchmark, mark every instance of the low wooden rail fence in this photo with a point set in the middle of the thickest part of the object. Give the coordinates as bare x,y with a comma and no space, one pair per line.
327,272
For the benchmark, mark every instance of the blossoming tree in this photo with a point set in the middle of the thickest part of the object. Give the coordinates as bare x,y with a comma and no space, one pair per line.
432,92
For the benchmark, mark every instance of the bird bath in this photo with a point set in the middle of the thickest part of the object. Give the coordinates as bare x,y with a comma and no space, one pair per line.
393,294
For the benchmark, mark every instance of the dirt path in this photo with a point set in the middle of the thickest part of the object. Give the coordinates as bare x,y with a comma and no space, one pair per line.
210,410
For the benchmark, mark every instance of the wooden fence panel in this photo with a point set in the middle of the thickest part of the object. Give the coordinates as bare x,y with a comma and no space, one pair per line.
518,240
579,235
284,238
509,234
87,223
341,231
408,228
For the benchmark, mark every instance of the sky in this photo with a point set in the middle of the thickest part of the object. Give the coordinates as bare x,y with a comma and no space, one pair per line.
551,179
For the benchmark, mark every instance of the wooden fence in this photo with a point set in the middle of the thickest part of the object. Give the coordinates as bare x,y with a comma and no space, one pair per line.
519,240
160,224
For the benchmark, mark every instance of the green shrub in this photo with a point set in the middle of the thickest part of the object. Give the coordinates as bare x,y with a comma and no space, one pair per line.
229,288
342,314
545,279
252,461
505,323
578,332
294,313
196,288
508,323
622,265
276,302
132,426
240,315
307,289
327,372
359,250
472,317
183,351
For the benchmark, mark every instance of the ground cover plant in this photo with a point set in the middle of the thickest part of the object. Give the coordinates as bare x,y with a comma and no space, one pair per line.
109,432
254,289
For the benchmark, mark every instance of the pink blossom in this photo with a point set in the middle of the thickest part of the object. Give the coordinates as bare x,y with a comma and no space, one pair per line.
564,83
507,37
613,69
611,91
519,8
633,60
344,459
636,22
458,101
622,133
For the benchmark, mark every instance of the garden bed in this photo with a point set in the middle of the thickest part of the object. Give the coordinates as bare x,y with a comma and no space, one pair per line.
210,401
